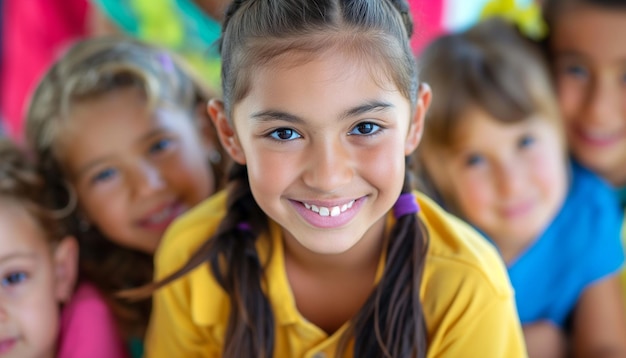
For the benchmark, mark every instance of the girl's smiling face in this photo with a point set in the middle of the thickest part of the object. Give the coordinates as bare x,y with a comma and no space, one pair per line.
35,279
590,67
135,170
507,179
324,141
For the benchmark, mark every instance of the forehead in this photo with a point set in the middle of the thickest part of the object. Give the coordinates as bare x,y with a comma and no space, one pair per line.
321,77
591,31
18,230
477,128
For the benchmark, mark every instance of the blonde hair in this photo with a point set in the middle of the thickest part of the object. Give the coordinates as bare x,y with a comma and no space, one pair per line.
91,69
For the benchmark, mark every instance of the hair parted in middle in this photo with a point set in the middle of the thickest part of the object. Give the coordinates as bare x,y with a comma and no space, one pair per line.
290,32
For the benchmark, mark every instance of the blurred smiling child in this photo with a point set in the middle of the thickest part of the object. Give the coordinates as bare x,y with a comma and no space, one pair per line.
123,125
494,152
38,270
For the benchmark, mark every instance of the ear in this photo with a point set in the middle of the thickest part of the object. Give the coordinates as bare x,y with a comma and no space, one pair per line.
225,131
416,127
65,268
208,134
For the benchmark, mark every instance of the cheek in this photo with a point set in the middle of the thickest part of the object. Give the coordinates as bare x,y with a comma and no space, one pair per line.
40,314
570,96
550,171
272,172
194,180
474,195
105,210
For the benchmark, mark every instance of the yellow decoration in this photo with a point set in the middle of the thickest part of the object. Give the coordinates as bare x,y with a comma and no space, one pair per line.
528,19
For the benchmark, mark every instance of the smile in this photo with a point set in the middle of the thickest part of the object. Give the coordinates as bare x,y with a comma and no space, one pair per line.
332,211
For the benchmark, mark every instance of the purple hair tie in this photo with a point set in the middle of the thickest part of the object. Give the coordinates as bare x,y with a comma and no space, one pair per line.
244,226
166,62
406,204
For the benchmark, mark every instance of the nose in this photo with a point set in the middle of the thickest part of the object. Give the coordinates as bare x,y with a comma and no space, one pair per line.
602,101
510,180
330,165
4,314
146,179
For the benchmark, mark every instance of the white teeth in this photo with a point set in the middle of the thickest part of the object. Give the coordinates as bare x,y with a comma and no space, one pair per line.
159,217
333,211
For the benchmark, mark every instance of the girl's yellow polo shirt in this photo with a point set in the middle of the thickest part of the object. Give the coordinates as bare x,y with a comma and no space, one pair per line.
466,296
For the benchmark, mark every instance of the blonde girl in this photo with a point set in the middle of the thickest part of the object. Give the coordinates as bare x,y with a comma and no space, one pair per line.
319,247
120,125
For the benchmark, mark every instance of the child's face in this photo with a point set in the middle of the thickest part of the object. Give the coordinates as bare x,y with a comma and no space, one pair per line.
590,67
509,180
325,145
135,170
33,284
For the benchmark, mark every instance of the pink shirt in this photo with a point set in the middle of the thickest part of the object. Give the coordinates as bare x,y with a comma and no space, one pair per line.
88,327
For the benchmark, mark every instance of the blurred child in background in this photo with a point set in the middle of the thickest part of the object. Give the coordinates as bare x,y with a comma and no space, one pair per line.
494,153
123,125
38,269
588,53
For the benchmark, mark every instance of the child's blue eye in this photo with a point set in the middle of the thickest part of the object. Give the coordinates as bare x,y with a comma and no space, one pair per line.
285,134
14,278
526,141
577,71
474,159
365,128
160,145
104,175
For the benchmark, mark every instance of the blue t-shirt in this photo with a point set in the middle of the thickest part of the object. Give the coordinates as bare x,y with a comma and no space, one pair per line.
581,246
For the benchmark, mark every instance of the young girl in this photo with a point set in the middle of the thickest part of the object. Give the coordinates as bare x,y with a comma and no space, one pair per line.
589,62
121,125
494,152
319,247
38,267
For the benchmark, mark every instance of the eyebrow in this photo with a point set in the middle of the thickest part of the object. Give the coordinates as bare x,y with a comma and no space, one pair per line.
575,55
370,106
17,255
85,168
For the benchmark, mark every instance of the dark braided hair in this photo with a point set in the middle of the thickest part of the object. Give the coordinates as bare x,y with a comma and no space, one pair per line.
391,323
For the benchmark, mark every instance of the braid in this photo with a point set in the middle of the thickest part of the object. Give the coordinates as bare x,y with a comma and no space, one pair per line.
235,264
391,323
251,323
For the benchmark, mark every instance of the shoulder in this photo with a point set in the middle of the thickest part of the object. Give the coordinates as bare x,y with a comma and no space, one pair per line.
466,295
188,232
457,252
590,189
591,208
85,300
88,327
